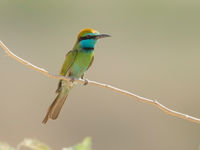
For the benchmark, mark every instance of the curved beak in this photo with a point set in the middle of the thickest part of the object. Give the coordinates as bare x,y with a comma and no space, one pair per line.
102,36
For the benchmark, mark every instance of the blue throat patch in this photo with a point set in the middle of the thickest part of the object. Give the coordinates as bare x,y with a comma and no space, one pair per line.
88,44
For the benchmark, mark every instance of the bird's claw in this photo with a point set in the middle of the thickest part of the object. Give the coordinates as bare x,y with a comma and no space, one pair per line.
85,82
72,79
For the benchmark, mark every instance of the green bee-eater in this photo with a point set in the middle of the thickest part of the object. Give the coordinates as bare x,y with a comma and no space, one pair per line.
77,61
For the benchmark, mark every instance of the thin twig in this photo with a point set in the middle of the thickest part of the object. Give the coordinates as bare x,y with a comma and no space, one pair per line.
94,83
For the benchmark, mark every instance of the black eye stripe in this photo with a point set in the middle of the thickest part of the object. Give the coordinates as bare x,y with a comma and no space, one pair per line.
87,37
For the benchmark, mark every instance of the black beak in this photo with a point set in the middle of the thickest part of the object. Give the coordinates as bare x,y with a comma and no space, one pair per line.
102,36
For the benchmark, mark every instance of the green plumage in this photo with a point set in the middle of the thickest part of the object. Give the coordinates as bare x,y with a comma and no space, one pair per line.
77,61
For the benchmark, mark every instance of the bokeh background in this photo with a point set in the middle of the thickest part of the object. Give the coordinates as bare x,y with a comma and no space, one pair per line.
154,52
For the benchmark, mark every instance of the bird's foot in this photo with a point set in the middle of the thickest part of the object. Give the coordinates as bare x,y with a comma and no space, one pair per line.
85,81
72,79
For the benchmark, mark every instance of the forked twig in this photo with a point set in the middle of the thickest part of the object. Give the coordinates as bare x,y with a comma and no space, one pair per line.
94,83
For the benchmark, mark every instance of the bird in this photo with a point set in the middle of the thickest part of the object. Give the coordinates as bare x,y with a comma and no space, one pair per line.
77,62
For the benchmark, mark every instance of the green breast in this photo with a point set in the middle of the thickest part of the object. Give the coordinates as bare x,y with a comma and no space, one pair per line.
81,63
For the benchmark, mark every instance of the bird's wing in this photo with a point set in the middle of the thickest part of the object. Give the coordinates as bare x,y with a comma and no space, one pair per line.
91,62
69,60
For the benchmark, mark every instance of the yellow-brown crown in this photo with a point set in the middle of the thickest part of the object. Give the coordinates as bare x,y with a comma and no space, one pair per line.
85,32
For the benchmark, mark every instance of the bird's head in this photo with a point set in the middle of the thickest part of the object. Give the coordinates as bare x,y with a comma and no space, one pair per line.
87,38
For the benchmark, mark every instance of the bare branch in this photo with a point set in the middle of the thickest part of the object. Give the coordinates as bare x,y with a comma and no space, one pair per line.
94,83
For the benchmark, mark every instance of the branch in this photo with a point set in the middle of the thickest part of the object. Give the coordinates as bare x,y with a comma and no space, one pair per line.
94,83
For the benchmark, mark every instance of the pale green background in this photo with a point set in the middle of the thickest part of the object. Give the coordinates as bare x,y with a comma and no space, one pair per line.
154,52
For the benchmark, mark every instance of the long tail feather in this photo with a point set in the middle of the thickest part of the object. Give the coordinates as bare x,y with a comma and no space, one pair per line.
57,104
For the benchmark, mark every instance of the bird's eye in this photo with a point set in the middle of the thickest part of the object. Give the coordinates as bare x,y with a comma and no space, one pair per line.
88,36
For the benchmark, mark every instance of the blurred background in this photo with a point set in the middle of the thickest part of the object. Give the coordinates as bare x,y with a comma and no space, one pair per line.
153,52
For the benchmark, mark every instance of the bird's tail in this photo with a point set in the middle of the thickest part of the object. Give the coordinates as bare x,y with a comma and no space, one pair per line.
55,107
